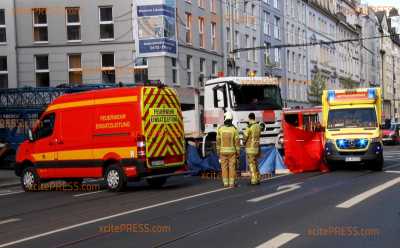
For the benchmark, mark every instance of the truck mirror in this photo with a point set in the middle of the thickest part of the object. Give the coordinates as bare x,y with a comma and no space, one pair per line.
30,135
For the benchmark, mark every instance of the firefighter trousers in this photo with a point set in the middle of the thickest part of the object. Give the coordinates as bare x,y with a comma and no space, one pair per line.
253,165
228,168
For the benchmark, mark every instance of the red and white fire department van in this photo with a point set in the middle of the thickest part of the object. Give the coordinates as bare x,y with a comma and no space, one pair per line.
119,134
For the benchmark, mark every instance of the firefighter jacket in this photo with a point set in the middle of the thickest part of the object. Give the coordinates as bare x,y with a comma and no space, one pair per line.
228,141
251,138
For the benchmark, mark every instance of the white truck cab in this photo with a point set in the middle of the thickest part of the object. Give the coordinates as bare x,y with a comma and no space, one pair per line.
241,96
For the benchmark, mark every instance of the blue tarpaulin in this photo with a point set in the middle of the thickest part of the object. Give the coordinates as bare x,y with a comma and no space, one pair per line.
268,162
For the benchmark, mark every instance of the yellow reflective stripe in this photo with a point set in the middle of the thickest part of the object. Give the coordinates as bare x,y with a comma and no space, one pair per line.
93,102
86,154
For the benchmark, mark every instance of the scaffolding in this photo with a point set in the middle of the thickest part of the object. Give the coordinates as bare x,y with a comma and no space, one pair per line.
21,107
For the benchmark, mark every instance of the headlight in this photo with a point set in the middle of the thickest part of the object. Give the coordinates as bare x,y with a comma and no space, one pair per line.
375,140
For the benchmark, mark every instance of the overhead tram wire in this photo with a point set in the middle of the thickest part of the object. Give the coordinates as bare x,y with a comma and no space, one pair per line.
317,43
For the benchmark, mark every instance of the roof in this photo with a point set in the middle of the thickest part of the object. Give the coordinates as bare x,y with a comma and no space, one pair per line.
245,80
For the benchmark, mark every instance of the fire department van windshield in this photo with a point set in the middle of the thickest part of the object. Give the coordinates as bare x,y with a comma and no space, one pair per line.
120,134
352,119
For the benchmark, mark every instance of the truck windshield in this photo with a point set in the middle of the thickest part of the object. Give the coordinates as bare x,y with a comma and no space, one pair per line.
256,97
352,118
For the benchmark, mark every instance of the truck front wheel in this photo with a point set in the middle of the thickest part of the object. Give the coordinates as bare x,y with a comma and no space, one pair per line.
30,180
115,178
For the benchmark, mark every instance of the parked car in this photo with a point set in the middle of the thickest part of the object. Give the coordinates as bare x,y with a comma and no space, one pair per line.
391,135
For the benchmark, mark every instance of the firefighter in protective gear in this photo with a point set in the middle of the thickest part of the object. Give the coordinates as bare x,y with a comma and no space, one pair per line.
251,138
228,149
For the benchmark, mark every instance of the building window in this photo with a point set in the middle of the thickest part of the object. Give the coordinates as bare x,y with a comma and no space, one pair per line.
3,33
3,72
189,28
107,68
213,36
106,23
267,26
202,71
277,57
237,45
255,59
40,25
75,69
214,69
73,24
189,67
247,41
141,74
288,61
174,71
252,18
213,6
202,4
277,31
42,71
267,60
201,31
276,4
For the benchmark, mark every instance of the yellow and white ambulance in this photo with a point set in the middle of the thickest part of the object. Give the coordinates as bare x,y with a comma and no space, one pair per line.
352,121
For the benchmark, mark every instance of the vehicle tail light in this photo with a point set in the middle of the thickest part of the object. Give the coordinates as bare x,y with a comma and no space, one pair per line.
141,146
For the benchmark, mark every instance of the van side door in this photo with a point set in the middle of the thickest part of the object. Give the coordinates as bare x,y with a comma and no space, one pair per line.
75,151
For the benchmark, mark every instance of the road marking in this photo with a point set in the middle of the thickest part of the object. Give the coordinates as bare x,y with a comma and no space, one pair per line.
9,221
280,190
89,193
11,192
392,171
108,217
361,197
392,166
268,179
279,240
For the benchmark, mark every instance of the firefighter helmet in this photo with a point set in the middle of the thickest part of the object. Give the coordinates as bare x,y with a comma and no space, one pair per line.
228,116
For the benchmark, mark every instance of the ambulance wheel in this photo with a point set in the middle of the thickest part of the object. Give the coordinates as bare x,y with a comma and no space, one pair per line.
30,180
115,178
377,165
157,182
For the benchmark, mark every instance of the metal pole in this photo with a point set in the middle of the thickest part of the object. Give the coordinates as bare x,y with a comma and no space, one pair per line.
232,5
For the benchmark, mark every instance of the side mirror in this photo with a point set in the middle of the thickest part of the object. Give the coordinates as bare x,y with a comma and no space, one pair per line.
30,135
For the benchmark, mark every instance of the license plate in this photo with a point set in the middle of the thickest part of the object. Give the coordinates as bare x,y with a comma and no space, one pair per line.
353,159
157,162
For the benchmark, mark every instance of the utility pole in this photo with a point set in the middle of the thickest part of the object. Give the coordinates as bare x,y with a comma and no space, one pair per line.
231,60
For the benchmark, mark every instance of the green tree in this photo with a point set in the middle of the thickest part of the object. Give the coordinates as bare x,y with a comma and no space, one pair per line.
316,88
348,83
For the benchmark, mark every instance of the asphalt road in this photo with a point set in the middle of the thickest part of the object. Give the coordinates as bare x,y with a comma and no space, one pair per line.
347,208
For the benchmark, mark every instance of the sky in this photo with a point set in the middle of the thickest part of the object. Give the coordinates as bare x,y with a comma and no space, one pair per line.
395,3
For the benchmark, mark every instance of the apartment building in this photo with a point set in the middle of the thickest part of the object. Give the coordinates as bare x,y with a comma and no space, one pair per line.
349,53
321,24
82,42
296,66
8,63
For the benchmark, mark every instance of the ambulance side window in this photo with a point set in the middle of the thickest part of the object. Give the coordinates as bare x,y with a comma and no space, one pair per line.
46,127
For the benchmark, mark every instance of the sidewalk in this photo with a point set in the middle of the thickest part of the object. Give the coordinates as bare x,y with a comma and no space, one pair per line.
8,178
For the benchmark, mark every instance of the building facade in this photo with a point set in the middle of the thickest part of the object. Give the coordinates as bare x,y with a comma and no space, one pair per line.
321,24
348,54
370,52
8,59
78,42
296,58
